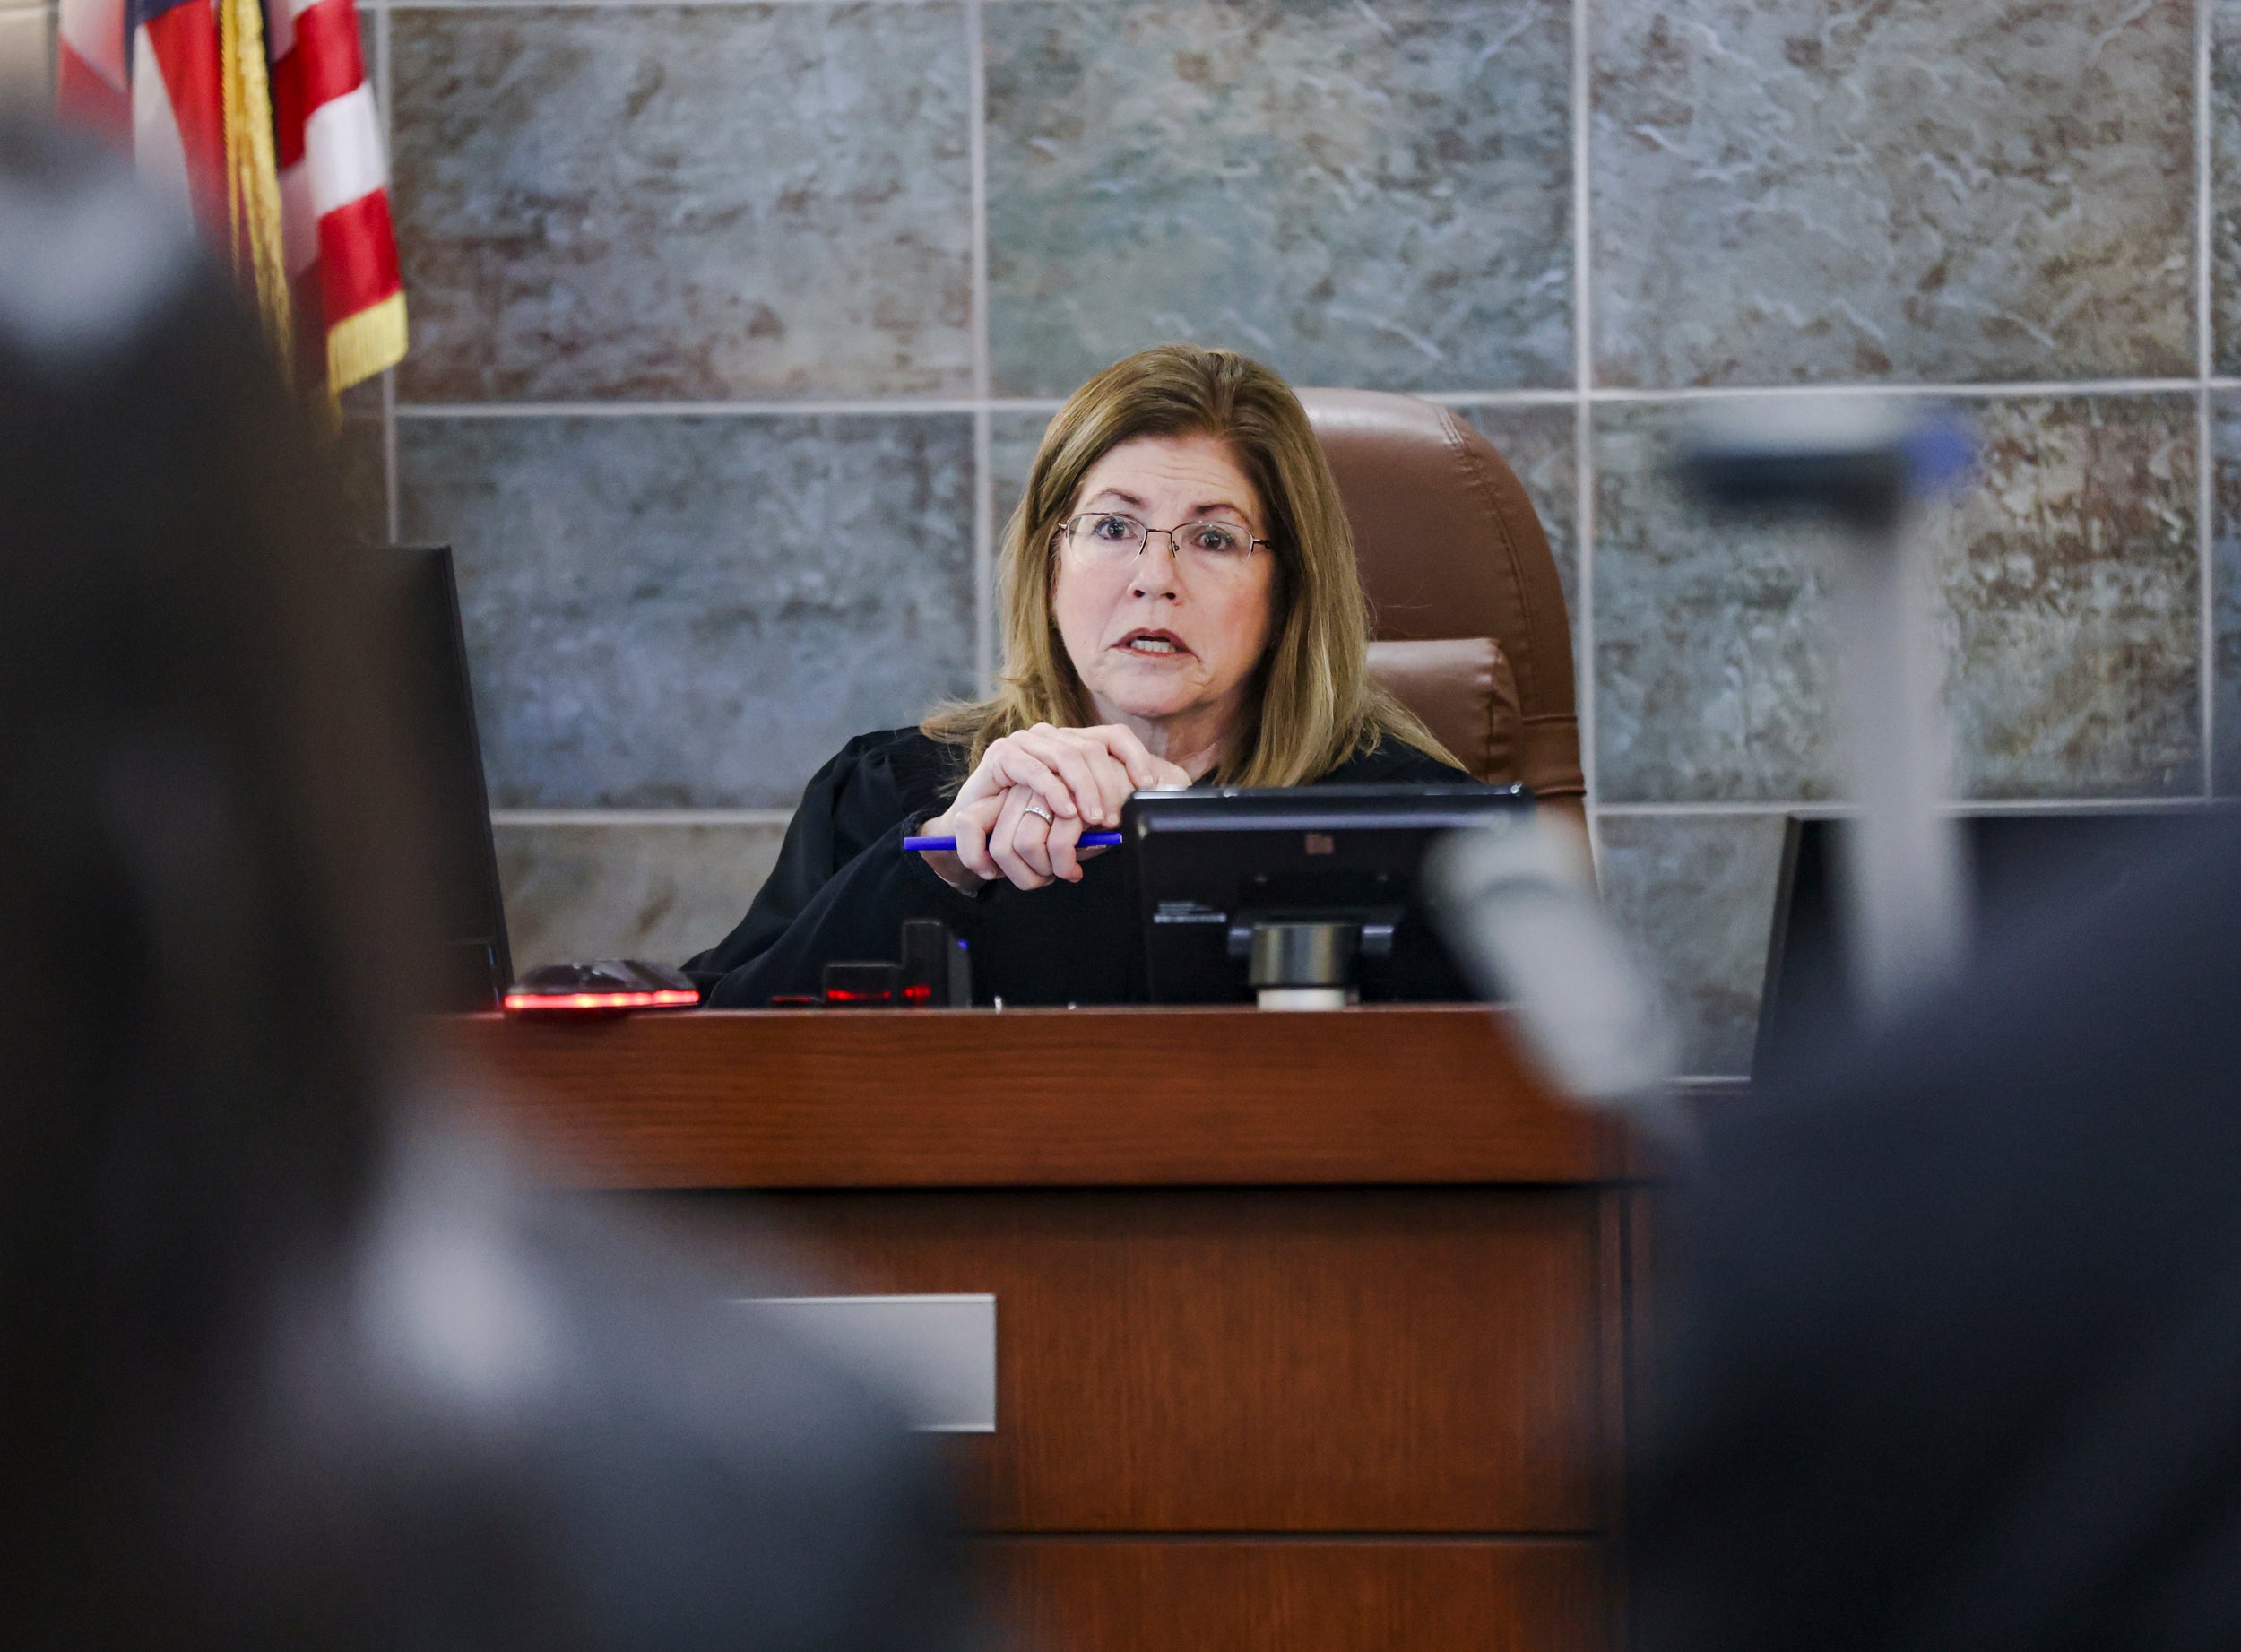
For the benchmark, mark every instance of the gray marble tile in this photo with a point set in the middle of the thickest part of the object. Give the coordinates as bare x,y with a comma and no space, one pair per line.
1714,659
696,612
684,202
1788,190
2225,183
1370,194
1540,443
645,889
2225,614
2072,580
362,466
1013,438
27,65
363,400
2068,616
1695,894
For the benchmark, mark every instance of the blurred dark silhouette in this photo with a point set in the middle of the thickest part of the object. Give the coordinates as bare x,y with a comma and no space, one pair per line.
284,1361
1956,1349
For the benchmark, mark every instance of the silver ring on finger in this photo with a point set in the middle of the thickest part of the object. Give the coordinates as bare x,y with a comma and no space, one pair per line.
1034,807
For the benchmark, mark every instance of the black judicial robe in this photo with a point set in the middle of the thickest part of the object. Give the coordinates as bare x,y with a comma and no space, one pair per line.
843,888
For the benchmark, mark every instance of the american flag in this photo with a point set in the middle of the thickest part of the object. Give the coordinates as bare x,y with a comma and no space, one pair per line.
262,122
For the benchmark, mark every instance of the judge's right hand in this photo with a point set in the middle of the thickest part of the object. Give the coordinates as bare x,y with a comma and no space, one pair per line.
1023,809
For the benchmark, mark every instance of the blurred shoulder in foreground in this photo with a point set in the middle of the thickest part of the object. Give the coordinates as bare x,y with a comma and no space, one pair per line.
1959,1335
289,1360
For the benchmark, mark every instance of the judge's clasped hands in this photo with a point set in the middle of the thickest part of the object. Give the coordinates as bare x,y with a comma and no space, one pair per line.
1022,812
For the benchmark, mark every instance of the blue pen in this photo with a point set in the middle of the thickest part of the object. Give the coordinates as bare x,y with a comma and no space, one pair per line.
1089,840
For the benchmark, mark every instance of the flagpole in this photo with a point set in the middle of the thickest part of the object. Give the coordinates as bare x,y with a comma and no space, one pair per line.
253,198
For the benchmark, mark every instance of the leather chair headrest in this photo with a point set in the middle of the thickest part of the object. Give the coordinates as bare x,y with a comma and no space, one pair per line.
1462,689
1450,547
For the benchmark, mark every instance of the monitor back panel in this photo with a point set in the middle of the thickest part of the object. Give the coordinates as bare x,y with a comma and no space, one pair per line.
420,599
2021,865
1217,860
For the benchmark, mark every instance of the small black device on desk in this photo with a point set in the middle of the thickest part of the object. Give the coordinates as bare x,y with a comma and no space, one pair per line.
1304,896
934,973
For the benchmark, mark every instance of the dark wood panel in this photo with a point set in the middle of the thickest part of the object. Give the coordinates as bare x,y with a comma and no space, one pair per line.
1250,1359
932,1098
1178,1596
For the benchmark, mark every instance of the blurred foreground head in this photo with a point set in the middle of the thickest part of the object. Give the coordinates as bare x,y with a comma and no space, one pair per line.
278,1363
199,866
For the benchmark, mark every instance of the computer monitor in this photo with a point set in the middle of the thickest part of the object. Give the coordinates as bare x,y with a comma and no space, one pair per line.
418,596
1213,865
2016,859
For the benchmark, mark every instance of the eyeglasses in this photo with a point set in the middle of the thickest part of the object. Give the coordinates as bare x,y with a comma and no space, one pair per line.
1218,550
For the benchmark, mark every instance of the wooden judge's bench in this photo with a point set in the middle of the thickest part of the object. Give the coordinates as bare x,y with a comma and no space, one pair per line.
1312,1330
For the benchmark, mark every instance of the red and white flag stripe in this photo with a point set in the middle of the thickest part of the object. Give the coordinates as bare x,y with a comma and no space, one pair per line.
93,86
341,249
148,72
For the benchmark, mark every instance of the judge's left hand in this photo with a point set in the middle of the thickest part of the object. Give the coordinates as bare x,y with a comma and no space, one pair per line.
1033,848
1008,835
1025,805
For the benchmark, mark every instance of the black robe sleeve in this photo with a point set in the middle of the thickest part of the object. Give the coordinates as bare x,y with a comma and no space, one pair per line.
843,886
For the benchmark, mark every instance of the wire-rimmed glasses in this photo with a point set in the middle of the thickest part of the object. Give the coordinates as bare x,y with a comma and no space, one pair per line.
1106,539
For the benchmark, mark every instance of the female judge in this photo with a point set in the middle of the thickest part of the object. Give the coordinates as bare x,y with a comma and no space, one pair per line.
1181,608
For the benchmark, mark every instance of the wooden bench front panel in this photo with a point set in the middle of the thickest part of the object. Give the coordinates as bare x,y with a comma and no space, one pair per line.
1247,1360
1178,1594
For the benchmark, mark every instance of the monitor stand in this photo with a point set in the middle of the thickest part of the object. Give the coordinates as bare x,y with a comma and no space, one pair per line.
1303,963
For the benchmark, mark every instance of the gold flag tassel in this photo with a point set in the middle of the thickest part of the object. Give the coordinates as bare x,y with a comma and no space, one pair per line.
361,345
253,197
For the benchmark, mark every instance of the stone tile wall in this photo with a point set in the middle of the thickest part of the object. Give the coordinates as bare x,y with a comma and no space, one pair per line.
735,324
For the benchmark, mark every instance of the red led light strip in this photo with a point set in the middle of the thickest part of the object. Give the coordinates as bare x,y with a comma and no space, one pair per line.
668,998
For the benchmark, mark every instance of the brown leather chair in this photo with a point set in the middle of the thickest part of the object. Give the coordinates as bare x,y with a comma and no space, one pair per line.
1468,615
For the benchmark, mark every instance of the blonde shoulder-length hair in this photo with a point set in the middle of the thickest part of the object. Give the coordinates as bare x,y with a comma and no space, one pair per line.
1316,706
